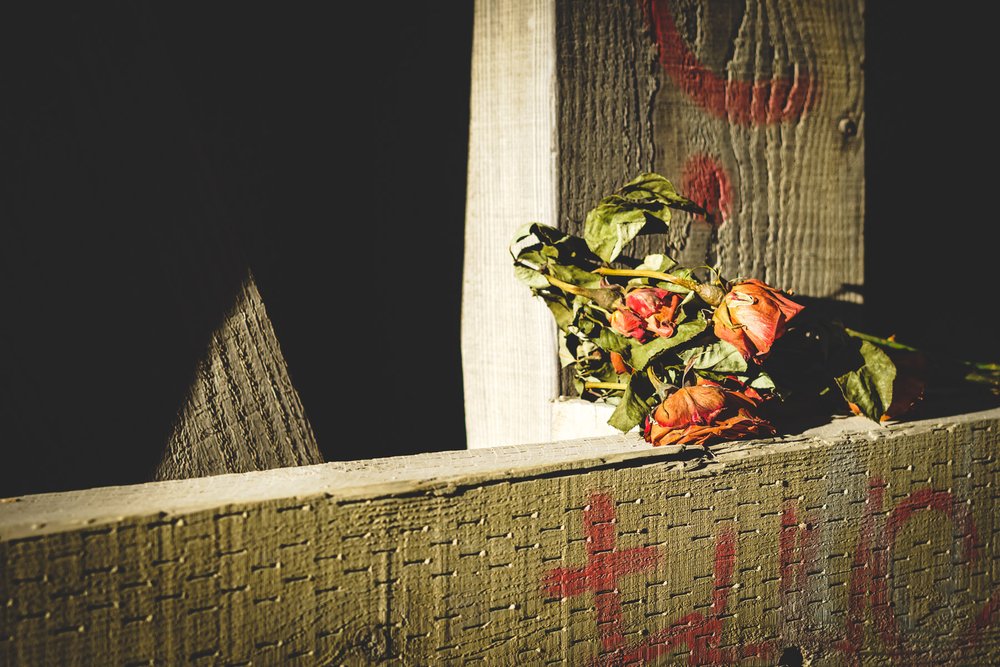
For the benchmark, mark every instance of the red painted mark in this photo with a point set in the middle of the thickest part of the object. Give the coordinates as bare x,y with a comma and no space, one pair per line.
796,550
706,182
868,587
870,573
983,620
604,567
759,102
701,634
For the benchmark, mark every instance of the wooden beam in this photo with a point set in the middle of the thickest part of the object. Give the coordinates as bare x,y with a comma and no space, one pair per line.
848,543
242,412
509,357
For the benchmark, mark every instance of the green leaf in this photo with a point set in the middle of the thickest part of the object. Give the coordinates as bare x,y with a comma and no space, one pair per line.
530,277
642,206
763,381
870,386
611,225
612,341
538,247
642,354
574,275
562,314
721,357
635,404
649,185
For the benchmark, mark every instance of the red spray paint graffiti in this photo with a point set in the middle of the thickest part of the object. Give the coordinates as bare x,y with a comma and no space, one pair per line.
797,545
604,566
705,182
702,634
766,102
870,569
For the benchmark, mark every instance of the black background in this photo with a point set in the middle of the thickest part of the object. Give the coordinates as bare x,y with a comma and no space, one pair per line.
152,152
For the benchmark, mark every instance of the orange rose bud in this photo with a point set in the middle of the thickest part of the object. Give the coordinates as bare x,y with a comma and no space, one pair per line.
752,316
618,363
702,414
690,405
628,324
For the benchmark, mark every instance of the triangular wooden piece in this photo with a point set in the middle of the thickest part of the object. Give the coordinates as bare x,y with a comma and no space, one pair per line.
242,412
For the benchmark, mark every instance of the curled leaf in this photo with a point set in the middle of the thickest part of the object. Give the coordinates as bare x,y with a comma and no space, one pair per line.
643,205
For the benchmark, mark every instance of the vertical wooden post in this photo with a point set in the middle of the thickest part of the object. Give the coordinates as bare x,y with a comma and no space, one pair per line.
508,342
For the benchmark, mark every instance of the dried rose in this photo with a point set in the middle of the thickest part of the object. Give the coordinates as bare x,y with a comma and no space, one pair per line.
752,316
741,425
629,324
656,308
646,301
618,363
706,412
690,405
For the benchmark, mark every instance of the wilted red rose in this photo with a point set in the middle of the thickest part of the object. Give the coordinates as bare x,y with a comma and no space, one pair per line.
752,316
655,308
703,413
646,301
628,323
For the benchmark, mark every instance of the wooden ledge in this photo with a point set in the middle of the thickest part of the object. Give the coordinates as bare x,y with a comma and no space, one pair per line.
849,542
435,473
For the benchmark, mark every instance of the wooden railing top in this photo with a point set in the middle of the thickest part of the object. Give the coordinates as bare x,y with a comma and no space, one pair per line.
34,515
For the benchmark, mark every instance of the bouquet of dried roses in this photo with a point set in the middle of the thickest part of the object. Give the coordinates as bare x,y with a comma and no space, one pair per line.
694,358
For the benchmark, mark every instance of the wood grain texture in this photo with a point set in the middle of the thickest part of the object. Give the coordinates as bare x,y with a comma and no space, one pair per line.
607,82
509,357
242,412
852,544
767,96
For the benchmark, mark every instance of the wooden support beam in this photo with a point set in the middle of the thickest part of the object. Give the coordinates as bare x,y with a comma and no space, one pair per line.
848,543
509,356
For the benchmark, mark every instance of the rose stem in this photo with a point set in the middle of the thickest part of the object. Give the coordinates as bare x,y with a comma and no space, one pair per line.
605,385
564,286
645,273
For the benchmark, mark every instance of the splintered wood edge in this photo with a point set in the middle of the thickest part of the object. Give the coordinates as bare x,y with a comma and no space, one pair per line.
442,473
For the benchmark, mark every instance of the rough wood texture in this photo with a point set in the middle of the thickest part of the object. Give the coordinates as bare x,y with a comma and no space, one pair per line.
509,358
242,412
852,543
761,117
607,82
755,109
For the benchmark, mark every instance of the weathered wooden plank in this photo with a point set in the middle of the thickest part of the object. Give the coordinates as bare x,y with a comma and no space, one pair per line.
242,412
850,543
755,109
509,358
761,117
607,85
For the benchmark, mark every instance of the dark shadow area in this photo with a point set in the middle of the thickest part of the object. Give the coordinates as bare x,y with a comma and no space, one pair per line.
117,257
339,137
930,229
152,152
